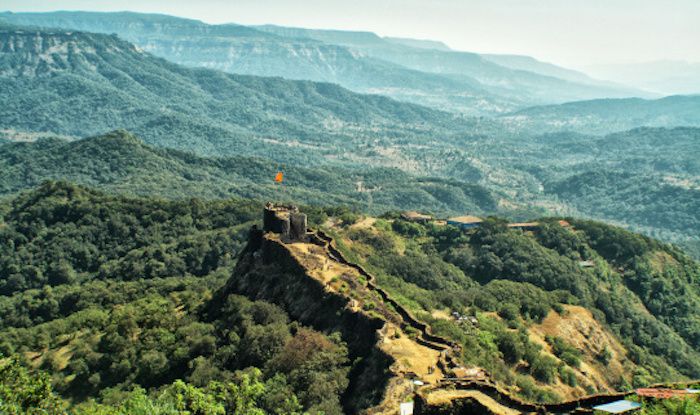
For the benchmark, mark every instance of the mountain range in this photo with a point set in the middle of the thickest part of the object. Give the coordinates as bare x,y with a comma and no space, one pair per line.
416,71
665,77
524,78
604,116
78,84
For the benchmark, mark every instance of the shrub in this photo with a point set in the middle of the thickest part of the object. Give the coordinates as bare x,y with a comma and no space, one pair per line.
544,368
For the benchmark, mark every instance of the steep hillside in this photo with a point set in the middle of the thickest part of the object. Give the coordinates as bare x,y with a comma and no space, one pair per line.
243,50
51,81
535,315
119,162
407,69
106,295
610,115
521,84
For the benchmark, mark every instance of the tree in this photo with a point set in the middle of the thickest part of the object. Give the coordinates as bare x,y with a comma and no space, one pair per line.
22,391
61,273
510,346
544,368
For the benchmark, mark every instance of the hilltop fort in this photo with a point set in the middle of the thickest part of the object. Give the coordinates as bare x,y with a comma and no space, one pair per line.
402,367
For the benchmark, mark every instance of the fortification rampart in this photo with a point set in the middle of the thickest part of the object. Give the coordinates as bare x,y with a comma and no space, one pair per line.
270,269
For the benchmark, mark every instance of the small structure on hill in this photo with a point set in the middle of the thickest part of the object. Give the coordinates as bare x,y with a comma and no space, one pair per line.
465,222
618,407
463,318
524,226
663,393
285,220
413,216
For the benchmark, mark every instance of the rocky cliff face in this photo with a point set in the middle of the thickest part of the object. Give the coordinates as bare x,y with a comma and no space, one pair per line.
273,273
30,53
318,287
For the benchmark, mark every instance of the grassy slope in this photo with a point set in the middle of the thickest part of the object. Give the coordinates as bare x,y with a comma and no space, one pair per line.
524,277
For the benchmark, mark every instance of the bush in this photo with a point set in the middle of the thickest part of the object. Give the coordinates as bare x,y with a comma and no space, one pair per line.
544,368
568,376
564,351
604,356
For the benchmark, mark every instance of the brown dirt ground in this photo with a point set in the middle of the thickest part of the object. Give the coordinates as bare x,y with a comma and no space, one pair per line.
443,396
581,330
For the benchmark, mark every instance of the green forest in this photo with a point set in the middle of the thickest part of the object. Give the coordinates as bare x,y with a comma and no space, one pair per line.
105,294
130,185
104,305
121,163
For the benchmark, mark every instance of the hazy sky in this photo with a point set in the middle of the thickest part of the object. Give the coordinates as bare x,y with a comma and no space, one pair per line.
575,33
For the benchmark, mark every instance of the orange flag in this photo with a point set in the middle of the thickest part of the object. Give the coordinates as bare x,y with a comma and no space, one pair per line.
278,177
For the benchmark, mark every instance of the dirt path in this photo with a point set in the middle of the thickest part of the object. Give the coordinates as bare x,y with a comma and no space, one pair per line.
365,223
444,396
411,358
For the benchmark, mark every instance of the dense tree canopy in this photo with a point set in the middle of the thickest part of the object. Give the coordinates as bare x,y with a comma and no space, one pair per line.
106,293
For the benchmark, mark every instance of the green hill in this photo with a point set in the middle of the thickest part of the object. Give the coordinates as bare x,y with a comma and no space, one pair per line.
121,163
109,295
52,85
604,116
645,179
105,294
590,284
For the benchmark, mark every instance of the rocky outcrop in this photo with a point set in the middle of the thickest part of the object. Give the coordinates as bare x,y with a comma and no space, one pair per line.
272,273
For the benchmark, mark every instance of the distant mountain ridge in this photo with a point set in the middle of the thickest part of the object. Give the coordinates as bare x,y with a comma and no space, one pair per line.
245,50
412,70
534,83
528,63
610,115
665,77
52,80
